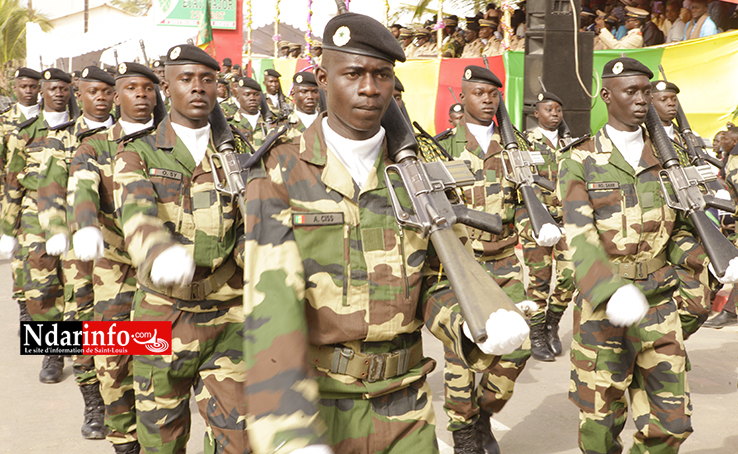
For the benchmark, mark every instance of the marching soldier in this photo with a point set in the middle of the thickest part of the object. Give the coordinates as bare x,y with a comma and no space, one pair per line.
635,258
249,120
184,239
98,236
224,98
275,99
544,321
305,94
334,284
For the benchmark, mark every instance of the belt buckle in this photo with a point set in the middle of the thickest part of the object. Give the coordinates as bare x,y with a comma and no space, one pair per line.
194,291
377,364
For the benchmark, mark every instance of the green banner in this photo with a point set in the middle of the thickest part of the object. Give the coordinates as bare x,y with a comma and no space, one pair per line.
186,13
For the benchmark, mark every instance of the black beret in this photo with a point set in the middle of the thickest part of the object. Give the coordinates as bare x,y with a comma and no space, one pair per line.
456,108
27,72
159,63
546,96
662,85
188,54
359,34
130,69
398,85
625,66
247,82
95,74
77,73
236,66
222,81
481,75
272,72
56,74
304,78
227,62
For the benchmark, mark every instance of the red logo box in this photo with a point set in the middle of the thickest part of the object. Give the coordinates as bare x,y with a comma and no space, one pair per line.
127,338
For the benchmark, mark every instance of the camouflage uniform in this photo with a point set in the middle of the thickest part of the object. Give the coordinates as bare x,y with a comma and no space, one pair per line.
229,106
255,136
491,193
537,258
165,199
113,275
453,45
296,127
616,217
309,303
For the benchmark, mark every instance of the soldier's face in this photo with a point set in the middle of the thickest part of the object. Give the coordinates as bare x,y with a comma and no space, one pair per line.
159,72
666,103
272,84
318,51
26,90
192,93
549,115
222,90
306,99
358,91
249,100
397,94
627,100
455,117
716,141
136,97
480,102
728,141
56,95
97,99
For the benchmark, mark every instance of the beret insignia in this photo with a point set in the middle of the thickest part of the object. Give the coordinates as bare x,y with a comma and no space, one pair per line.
86,72
661,86
298,79
617,68
122,68
175,53
540,96
47,75
468,74
17,71
457,108
342,36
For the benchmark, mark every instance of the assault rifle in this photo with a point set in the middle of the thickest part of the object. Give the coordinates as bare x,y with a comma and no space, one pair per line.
524,173
143,51
434,215
687,197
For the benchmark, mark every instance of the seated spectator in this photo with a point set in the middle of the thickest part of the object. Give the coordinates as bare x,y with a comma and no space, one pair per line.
674,23
701,25
635,17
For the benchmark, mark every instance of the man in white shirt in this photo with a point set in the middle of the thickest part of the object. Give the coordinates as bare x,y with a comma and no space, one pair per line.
675,33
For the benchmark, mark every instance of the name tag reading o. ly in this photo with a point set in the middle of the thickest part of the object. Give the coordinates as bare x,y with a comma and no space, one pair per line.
308,219
603,185
165,173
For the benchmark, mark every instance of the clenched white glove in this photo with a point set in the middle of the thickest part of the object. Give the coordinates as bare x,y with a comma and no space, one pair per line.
88,243
314,449
506,331
526,306
722,194
8,245
172,267
731,274
549,235
627,306
57,244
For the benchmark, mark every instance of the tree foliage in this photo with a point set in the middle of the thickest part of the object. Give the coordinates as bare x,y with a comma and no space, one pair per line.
13,18
137,7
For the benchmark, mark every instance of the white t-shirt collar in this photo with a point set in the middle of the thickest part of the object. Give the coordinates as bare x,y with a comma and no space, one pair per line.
630,144
54,119
552,136
482,133
196,140
357,156
131,128
30,111
92,124
306,119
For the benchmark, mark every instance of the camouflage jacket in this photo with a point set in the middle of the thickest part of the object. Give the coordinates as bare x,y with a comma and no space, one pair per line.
491,193
254,136
29,149
296,127
454,45
614,215
229,107
9,121
164,199
549,170
327,265
91,188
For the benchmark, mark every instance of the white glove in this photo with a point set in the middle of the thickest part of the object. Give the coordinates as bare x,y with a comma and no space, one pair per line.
506,331
8,245
526,306
627,306
722,194
314,449
731,274
57,244
88,243
548,235
173,267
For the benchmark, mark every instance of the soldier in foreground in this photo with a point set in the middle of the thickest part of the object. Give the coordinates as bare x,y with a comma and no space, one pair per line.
184,239
633,257
334,294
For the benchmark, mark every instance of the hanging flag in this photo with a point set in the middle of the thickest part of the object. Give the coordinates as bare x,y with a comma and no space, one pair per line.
205,31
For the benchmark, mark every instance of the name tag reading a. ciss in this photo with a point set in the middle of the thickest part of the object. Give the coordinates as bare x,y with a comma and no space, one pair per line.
309,219
165,173
603,185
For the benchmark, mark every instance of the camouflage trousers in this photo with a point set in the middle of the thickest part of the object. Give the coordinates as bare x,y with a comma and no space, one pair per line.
400,422
114,285
207,356
19,270
539,260
78,306
648,361
463,398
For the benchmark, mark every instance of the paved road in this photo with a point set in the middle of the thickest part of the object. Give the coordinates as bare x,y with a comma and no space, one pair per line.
40,418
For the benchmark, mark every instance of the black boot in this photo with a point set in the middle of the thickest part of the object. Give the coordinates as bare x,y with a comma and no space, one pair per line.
485,435
538,346
552,332
24,315
94,416
466,441
131,447
51,369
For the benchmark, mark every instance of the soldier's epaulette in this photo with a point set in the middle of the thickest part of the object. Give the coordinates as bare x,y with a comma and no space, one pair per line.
444,135
133,136
27,123
89,132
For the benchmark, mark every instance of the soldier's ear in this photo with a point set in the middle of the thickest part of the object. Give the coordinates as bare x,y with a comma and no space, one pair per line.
116,98
461,97
605,95
321,77
165,88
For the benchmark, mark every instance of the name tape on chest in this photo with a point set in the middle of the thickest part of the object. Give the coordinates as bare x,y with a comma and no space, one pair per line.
165,173
603,185
308,219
